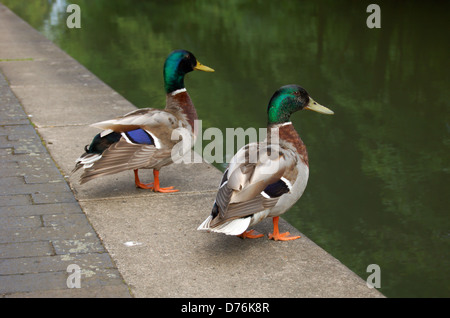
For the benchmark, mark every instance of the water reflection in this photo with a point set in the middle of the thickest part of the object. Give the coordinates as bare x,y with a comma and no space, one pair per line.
379,168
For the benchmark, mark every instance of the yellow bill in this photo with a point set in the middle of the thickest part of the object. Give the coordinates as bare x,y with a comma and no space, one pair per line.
202,67
313,105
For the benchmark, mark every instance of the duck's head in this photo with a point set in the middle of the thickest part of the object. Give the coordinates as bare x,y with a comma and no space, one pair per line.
177,65
289,99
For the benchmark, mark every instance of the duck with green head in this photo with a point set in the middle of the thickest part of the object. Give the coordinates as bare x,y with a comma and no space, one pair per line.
265,179
142,139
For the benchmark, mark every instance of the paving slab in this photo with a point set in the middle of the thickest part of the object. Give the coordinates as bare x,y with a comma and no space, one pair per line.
110,291
29,209
35,282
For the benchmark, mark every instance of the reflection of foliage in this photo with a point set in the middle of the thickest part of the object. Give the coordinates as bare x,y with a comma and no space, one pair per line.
379,167
34,12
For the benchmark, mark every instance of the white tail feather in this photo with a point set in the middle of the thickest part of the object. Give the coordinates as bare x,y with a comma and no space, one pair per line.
89,160
205,225
234,227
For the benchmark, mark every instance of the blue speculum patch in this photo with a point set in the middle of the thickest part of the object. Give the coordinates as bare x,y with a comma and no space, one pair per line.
140,136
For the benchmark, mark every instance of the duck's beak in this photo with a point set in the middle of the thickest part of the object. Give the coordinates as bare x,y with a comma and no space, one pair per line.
202,67
313,105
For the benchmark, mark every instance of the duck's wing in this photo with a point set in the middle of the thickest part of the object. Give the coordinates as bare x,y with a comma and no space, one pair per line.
123,156
146,142
158,122
249,187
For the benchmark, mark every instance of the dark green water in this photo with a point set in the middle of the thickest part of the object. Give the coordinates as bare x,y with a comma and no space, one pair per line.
379,168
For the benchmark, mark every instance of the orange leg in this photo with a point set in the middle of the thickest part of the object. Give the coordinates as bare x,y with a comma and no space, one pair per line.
138,182
277,236
154,185
252,234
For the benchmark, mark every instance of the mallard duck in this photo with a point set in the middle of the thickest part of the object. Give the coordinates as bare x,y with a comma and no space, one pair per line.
265,179
141,139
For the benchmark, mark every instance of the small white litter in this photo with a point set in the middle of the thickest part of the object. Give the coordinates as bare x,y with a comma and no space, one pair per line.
131,243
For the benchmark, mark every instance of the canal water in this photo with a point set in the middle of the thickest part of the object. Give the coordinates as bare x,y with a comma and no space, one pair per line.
379,168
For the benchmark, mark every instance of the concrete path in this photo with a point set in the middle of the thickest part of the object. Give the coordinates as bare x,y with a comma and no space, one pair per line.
151,238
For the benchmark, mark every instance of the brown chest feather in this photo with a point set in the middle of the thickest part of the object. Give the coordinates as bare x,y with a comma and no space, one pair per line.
182,102
289,134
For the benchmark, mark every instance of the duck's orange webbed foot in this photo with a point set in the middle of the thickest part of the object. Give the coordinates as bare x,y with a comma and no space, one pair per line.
277,236
252,234
286,236
157,188
165,190
153,185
